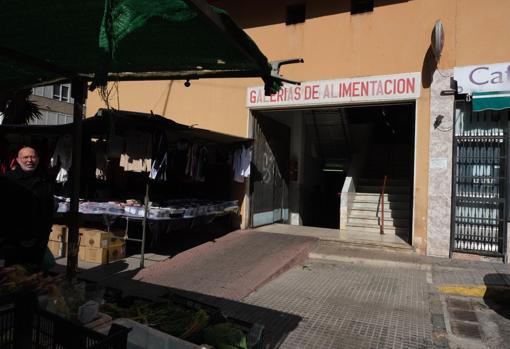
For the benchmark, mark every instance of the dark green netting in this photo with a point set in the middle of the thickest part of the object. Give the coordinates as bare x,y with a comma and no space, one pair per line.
121,40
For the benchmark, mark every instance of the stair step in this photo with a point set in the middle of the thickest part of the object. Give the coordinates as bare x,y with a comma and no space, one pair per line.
374,206
371,213
375,222
379,182
387,230
376,197
377,189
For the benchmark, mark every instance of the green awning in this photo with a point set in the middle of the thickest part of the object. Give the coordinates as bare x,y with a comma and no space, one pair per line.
491,100
98,40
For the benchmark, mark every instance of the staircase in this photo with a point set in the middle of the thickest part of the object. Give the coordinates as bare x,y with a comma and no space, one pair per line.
364,207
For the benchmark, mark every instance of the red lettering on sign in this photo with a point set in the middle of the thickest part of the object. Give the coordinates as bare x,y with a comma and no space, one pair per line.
372,87
410,85
379,88
401,85
297,91
260,96
387,90
364,88
346,89
315,92
308,92
355,89
327,93
279,95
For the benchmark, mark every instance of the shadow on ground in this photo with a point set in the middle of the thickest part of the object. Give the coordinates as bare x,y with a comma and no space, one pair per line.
497,295
118,276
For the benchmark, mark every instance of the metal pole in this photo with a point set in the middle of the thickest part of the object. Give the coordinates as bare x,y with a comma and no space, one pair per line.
79,93
144,223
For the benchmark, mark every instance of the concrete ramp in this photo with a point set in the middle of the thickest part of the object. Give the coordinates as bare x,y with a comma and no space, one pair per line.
232,266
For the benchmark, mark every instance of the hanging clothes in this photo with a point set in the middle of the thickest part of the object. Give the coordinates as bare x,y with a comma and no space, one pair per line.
178,159
100,151
241,163
62,156
137,155
201,162
245,162
160,158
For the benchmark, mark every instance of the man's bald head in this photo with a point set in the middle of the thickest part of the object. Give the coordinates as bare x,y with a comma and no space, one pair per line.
27,159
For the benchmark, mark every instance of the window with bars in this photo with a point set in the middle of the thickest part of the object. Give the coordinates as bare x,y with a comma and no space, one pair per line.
52,118
480,180
62,92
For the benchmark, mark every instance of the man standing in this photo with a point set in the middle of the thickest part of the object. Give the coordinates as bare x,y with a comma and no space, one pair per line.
33,191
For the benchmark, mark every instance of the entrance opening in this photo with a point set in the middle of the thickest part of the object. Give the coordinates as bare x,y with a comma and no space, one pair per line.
325,167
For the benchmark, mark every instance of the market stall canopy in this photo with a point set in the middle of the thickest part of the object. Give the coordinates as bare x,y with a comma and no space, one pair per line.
98,40
107,120
496,100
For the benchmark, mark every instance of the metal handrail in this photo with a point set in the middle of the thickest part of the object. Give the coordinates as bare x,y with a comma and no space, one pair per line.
382,205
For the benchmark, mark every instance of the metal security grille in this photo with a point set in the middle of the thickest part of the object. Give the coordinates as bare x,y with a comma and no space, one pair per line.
480,182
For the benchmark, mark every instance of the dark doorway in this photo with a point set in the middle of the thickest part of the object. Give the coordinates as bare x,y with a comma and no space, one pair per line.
270,172
324,146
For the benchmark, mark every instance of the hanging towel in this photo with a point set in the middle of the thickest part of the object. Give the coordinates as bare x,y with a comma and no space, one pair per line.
241,164
62,156
245,162
137,156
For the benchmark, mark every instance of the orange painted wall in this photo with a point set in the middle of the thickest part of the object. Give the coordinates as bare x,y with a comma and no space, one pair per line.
394,38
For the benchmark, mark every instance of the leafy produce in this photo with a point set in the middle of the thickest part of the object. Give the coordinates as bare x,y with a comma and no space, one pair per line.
17,277
225,336
166,317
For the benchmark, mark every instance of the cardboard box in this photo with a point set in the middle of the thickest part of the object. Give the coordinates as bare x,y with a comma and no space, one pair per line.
98,238
104,255
93,237
58,233
81,253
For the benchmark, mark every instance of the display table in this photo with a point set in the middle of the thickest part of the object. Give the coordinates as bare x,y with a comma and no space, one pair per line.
168,216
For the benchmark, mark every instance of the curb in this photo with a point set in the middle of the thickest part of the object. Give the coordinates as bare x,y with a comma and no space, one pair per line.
370,262
497,292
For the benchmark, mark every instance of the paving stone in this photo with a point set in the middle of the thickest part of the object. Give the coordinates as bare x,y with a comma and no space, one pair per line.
459,303
345,305
466,329
438,322
463,315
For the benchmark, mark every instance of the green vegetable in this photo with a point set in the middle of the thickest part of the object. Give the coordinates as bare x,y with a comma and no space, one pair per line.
225,336
167,317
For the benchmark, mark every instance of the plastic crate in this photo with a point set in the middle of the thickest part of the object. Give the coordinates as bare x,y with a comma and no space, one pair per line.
23,325
143,336
254,331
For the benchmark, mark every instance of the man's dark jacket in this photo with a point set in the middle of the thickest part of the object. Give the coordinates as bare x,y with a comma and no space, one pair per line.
27,213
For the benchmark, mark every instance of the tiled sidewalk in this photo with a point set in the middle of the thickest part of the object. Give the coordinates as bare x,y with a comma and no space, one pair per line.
351,306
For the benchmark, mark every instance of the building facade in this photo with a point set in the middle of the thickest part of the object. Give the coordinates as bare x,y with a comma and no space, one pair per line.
377,110
55,104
